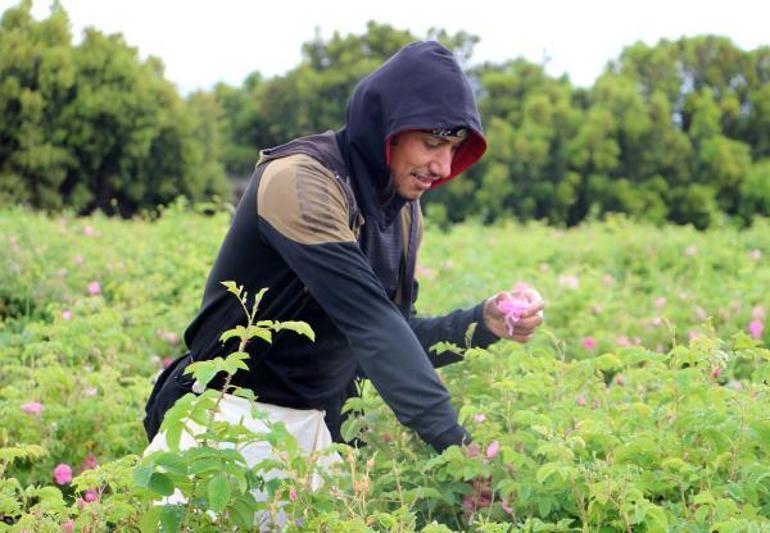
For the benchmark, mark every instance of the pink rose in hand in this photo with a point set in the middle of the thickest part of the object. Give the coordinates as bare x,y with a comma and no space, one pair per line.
513,309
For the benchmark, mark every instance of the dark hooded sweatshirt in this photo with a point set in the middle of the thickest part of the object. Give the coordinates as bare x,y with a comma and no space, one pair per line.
320,226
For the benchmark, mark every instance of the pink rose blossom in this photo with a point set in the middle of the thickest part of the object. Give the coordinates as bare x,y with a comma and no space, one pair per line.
492,449
94,288
66,314
589,343
90,462
68,526
656,321
581,401
756,328
620,380
473,450
293,495
78,259
692,335
716,372
91,496
32,408
506,506
62,474
623,341
607,279
88,230
571,282
479,418
513,309
660,301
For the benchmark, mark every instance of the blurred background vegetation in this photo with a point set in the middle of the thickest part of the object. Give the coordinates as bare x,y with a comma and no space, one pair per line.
678,131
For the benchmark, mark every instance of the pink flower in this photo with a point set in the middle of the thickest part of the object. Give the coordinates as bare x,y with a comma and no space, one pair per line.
756,328
492,449
293,494
78,259
62,474
589,343
623,341
479,418
571,282
166,361
692,335
755,254
513,309
66,314
94,288
700,314
619,380
90,391
88,230
607,279
656,321
758,313
68,526
91,496
660,301
716,372
581,401
32,408
90,462
506,506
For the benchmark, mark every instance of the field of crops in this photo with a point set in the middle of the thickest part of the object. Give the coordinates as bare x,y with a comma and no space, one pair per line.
641,405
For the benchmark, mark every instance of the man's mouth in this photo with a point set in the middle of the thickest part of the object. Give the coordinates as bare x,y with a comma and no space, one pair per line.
424,181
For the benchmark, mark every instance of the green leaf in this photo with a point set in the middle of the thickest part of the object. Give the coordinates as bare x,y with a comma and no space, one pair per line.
218,492
302,328
262,333
174,435
142,474
150,520
161,484
352,427
233,288
243,511
172,463
171,518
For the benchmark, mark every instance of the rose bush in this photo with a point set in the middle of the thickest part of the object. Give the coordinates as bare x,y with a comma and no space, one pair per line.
640,407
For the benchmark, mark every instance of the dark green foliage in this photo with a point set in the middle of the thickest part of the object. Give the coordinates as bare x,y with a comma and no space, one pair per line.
678,131
94,127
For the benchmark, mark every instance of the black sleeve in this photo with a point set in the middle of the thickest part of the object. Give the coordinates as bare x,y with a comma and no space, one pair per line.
450,328
344,285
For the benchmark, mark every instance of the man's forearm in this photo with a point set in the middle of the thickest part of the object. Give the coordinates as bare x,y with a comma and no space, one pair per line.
452,328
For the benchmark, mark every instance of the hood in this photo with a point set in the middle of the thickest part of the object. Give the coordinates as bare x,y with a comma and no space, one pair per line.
421,87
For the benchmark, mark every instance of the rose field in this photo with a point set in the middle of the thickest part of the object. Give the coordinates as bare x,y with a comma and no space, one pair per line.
642,404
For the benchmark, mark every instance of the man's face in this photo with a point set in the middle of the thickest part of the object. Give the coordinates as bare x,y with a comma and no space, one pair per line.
417,159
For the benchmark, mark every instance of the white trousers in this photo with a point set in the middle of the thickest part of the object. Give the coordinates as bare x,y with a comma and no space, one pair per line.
307,426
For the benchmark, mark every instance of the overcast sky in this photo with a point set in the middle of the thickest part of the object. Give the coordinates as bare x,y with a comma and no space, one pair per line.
203,42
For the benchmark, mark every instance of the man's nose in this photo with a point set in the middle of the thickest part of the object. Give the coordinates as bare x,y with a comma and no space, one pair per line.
441,165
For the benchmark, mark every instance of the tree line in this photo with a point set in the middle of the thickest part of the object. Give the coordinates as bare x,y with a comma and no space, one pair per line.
678,131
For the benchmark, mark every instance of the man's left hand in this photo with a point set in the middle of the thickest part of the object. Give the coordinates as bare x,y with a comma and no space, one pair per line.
529,320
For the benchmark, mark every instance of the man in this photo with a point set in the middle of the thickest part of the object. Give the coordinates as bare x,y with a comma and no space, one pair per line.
331,225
